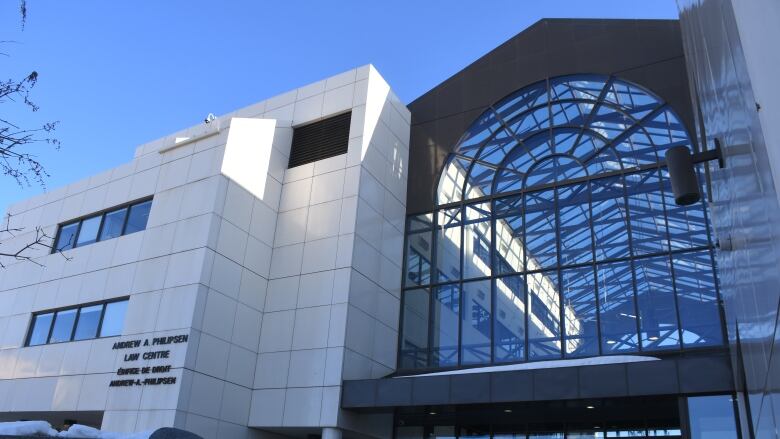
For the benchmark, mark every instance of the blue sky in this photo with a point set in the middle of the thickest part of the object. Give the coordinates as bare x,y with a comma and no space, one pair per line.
119,73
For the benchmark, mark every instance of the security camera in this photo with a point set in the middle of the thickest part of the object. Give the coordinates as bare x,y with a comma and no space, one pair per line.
210,118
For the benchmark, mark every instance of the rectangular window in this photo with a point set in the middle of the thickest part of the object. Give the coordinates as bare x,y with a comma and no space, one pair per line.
414,330
78,323
67,237
113,223
139,215
113,319
320,140
88,321
101,226
63,326
39,332
88,233
444,329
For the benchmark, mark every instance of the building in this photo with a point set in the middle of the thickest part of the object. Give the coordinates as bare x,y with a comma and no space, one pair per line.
503,257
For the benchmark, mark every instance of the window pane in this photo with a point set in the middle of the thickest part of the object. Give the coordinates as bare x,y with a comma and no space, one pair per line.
540,230
112,224
475,330
697,299
418,259
687,224
63,326
89,230
446,303
646,209
617,312
40,329
712,417
655,297
414,333
89,318
509,326
113,319
574,218
610,218
544,306
448,253
579,312
138,216
476,241
67,237
510,249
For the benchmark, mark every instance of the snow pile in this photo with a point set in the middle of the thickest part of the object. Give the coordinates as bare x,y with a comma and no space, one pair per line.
27,428
43,428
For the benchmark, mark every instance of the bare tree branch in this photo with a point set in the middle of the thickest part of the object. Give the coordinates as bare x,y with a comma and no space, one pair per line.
16,161
26,253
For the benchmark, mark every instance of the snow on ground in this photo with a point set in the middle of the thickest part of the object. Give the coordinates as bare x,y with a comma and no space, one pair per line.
43,428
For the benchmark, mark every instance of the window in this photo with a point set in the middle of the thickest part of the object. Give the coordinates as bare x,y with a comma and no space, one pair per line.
78,323
320,140
101,226
556,234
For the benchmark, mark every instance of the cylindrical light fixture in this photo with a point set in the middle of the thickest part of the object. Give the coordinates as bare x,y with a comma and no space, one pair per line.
685,185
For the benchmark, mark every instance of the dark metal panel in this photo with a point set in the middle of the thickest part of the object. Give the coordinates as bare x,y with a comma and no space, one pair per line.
704,375
556,383
396,391
512,386
652,378
706,372
359,393
608,380
648,52
470,388
431,390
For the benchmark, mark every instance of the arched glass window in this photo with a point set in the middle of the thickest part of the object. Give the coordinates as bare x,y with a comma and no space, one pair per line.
556,236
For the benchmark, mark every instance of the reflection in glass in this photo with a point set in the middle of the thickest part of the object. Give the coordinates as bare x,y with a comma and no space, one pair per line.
138,217
89,231
113,223
697,299
418,258
446,304
414,332
41,326
509,247
574,218
544,328
580,263
89,319
113,318
476,241
509,320
475,328
579,304
712,417
617,309
63,326
655,298
646,210
67,237
540,230
610,218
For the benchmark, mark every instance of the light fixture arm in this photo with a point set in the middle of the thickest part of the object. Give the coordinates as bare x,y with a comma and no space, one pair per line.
680,163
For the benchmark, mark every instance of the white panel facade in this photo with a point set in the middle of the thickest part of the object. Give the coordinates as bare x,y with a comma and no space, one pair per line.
285,281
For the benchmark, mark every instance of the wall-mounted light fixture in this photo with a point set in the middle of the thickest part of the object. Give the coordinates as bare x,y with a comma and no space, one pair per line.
679,162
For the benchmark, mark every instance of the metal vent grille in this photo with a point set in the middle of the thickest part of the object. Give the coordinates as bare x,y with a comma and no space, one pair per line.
320,140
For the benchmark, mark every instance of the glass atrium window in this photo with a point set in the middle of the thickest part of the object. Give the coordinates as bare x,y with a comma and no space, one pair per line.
556,236
78,323
102,226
